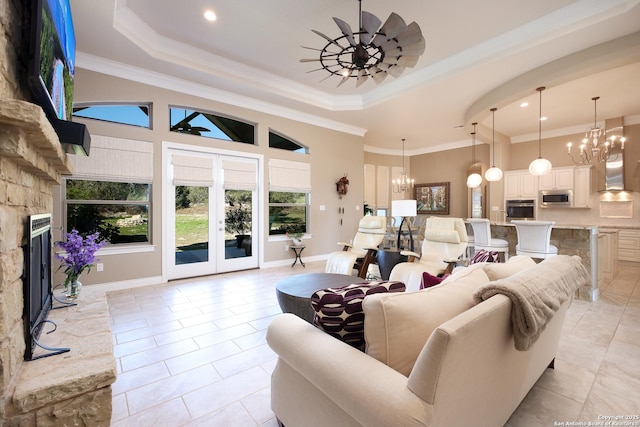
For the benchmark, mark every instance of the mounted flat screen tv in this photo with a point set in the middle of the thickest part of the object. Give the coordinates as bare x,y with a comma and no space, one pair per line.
52,70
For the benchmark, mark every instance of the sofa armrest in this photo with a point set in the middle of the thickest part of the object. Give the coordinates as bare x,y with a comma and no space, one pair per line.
368,390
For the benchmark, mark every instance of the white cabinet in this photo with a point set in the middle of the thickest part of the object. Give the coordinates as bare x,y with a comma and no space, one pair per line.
629,245
520,184
557,179
581,187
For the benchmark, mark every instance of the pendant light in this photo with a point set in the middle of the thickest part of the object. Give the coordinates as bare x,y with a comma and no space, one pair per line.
540,166
474,179
493,173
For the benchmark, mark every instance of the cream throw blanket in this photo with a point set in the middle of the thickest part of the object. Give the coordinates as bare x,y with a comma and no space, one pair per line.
536,294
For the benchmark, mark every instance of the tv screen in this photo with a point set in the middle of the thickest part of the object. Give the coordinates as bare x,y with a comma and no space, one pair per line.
53,48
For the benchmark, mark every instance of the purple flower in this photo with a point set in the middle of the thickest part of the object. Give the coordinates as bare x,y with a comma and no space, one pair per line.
79,253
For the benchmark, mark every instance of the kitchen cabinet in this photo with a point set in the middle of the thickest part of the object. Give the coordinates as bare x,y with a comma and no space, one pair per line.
557,179
581,187
629,245
520,185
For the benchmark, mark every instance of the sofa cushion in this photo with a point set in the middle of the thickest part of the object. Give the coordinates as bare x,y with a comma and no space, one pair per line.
338,311
396,326
514,264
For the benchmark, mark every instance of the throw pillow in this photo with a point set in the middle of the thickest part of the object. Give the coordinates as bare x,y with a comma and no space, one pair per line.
483,255
429,280
338,311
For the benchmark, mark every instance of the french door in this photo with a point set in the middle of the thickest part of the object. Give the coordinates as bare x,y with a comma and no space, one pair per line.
211,213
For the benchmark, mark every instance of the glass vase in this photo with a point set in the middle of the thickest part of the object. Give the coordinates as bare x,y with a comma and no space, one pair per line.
73,289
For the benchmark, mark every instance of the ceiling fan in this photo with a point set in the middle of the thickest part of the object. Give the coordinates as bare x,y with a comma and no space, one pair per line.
373,51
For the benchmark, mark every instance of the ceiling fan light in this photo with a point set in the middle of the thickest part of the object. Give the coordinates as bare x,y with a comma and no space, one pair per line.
493,174
539,167
474,180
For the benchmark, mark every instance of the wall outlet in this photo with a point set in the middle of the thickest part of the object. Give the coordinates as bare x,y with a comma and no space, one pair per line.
99,266
286,248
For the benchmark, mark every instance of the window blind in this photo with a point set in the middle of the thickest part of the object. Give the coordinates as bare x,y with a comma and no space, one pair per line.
289,176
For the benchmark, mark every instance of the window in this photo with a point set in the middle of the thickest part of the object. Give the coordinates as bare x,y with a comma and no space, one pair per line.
289,195
127,114
284,143
118,210
287,212
209,125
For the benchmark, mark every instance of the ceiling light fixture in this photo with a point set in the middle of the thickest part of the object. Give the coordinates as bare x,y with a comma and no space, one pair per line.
540,166
596,151
403,184
372,51
493,173
210,15
474,179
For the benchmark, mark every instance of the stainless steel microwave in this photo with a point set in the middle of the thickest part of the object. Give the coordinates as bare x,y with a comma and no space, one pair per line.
556,198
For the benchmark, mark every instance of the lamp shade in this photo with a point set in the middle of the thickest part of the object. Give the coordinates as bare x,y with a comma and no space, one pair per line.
493,174
540,166
474,180
404,208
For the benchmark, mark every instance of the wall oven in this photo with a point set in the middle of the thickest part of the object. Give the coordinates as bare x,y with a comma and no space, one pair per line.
520,209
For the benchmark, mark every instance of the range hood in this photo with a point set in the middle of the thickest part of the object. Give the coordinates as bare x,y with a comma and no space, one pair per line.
614,171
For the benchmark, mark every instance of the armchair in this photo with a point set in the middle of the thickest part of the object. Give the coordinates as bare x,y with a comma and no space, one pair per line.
359,254
445,240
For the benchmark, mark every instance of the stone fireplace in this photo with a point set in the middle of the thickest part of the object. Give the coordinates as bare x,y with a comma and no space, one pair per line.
70,389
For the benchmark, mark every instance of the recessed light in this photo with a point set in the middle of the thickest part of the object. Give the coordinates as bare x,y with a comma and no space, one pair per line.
210,15
524,104
543,118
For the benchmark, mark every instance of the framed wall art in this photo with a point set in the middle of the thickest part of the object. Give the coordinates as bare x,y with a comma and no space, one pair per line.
432,198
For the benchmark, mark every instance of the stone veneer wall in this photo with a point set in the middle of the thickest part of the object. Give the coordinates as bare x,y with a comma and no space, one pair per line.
31,162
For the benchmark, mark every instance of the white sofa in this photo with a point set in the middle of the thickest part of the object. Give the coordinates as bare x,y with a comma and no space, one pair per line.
434,357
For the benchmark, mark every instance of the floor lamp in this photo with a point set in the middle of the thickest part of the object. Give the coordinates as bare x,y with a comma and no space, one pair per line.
404,209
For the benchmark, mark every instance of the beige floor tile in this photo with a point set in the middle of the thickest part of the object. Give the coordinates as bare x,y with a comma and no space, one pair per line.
167,389
183,333
568,380
247,359
133,347
619,380
119,408
167,414
226,391
222,335
234,415
201,357
139,377
259,405
603,403
543,408
157,354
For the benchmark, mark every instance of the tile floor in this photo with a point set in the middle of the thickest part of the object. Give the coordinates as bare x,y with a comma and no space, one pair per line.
193,353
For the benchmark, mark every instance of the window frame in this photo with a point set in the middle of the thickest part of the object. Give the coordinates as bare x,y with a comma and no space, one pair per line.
149,105
306,205
148,203
304,148
201,111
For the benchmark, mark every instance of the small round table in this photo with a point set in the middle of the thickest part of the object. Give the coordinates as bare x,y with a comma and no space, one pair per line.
297,249
294,292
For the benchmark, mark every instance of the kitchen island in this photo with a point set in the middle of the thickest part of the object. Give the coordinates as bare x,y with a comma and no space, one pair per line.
581,240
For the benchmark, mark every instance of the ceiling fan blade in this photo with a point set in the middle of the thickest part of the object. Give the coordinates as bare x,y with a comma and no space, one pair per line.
377,74
328,39
346,30
393,26
362,77
408,61
309,60
414,49
390,60
413,34
370,24
396,71
311,48
317,69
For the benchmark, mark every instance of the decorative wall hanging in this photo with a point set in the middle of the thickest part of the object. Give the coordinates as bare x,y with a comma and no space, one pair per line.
432,198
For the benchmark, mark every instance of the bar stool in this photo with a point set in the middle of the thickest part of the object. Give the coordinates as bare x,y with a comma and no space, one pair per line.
482,238
534,238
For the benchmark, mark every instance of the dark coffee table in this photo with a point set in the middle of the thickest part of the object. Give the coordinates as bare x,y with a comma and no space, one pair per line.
294,292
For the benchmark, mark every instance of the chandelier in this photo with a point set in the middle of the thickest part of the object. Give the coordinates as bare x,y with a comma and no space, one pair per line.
403,184
372,51
591,149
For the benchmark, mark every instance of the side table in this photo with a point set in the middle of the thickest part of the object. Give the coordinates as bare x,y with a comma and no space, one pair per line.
298,251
